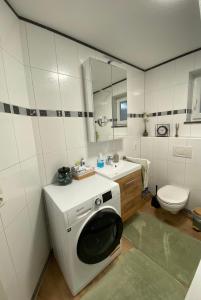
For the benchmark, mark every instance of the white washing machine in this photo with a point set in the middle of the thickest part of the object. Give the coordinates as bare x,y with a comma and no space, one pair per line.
85,226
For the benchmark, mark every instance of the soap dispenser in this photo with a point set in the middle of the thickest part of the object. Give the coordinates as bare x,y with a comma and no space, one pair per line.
100,161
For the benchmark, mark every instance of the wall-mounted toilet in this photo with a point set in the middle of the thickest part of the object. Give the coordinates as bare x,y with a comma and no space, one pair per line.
172,198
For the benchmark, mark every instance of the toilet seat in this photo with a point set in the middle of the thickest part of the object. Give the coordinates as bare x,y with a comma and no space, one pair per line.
173,195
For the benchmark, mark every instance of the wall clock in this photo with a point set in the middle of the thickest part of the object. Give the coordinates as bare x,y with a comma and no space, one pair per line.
162,130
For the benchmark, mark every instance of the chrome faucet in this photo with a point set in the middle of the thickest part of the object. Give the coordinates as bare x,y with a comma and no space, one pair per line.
109,160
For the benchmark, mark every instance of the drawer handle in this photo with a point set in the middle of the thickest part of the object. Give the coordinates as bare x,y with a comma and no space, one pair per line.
129,182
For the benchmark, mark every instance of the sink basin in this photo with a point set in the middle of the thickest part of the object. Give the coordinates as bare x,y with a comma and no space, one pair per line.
118,170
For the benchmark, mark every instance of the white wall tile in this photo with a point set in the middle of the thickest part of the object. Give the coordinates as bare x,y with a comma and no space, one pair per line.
184,129
10,32
8,277
164,76
24,43
135,102
3,86
176,173
30,88
36,132
46,89
16,81
13,191
193,175
135,81
183,66
180,95
24,136
160,148
163,99
32,184
41,169
196,151
41,48
194,199
150,80
151,124
67,56
39,236
71,93
135,127
147,148
52,134
131,146
150,102
9,154
195,130
75,155
31,179
52,162
160,171
19,241
75,138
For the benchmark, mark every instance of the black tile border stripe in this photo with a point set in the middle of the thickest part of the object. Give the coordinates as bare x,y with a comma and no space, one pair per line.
23,111
19,110
161,113
110,56
170,112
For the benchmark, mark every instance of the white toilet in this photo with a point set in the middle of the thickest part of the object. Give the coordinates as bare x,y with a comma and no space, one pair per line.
172,198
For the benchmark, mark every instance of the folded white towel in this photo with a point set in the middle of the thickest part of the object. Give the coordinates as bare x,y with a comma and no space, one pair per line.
145,164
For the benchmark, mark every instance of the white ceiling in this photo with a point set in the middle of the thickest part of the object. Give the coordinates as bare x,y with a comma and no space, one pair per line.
142,32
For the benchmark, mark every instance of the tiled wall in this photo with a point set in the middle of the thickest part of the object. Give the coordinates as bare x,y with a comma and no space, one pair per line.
54,68
166,90
40,79
24,245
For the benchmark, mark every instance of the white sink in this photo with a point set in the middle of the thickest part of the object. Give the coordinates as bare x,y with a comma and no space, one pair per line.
118,170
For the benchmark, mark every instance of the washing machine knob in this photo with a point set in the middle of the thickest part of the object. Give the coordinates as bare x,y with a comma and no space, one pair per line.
98,202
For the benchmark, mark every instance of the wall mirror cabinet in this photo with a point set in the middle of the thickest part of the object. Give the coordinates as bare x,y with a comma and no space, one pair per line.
105,87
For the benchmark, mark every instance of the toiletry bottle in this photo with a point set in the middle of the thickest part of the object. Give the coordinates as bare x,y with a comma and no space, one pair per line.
100,161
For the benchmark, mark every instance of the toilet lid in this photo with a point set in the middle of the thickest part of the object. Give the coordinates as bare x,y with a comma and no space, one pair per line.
173,194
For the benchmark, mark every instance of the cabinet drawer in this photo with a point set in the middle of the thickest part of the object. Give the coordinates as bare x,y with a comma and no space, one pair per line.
130,182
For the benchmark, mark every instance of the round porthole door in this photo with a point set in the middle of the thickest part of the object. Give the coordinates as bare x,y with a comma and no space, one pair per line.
100,236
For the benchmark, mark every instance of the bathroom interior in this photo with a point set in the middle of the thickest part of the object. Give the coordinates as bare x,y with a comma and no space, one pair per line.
100,149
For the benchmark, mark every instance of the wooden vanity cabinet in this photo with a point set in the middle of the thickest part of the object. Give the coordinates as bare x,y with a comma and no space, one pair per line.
131,194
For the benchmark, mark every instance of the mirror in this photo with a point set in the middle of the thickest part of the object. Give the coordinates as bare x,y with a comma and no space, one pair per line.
119,102
194,96
105,98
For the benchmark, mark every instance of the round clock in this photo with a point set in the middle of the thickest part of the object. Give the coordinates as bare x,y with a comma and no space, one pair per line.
162,130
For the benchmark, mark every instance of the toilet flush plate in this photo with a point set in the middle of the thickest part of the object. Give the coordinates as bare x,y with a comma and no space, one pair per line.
182,151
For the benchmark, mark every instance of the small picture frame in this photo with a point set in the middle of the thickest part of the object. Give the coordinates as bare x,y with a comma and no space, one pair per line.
162,130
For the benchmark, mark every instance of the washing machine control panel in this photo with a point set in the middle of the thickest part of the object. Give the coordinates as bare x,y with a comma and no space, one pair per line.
98,202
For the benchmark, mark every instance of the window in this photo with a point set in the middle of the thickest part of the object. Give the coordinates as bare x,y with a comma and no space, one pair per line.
123,110
120,110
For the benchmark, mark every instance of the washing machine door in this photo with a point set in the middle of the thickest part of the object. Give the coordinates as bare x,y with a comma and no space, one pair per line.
100,236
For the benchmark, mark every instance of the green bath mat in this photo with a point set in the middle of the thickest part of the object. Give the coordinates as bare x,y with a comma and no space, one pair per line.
136,277
176,252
